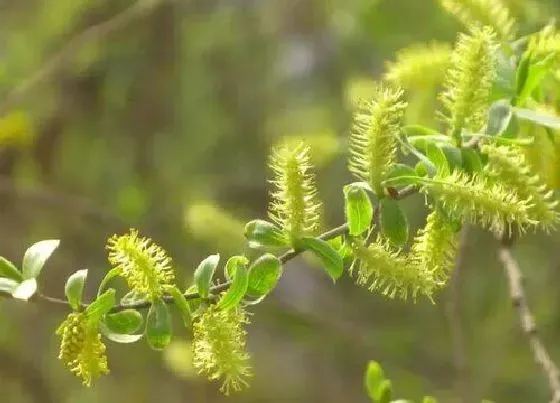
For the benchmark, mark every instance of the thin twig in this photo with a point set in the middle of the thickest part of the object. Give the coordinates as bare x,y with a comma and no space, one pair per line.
453,316
58,60
527,320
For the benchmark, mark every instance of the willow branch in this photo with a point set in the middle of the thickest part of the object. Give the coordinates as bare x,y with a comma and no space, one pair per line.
527,320
59,60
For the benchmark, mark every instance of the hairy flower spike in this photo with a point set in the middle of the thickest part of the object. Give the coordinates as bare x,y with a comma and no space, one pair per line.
379,267
81,348
295,206
493,13
468,82
419,65
219,350
435,246
509,166
144,265
373,142
545,43
479,201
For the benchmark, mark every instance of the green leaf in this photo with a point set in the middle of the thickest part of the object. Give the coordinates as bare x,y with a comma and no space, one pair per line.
132,297
102,305
453,156
180,302
119,338
471,160
373,381
238,287
204,273
9,270
358,209
437,157
401,170
386,391
8,285
522,73
394,224
261,233
541,119
537,72
429,399
74,288
232,264
25,290
499,117
419,130
158,325
126,321
264,274
115,272
332,261
36,256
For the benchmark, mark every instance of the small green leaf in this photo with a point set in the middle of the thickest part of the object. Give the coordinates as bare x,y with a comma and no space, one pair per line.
204,273
538,118
74,288
261,233
36,256
115,272
403,170
132,297
180,302
102,305
373,380
429,399
522,73
332,261
453,156
9,270
471,160
499,117
394,224
264,274
126,321
158,325
119,338
437,157
8,285
386,391
25,289
238,287
537,72
232,264
358,209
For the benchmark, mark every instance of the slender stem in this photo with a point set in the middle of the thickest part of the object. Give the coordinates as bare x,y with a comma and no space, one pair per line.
527,320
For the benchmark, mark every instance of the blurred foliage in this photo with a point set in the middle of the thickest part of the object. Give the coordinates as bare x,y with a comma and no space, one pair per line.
165,125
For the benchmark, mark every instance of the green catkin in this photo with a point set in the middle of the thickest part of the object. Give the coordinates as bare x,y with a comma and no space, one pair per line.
545,43
373,142
384,269
493,13
477,200
507,165
219,347
419,65
143,264
295,206
81,348
468,83
435,247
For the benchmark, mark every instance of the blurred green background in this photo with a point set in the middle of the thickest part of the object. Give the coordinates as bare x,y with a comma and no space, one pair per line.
162,120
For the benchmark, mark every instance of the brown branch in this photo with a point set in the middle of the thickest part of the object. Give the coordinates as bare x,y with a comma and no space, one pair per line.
453,316
527,320
91,34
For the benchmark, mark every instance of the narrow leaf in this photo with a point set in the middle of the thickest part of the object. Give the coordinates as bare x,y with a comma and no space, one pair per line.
358,209
9,270
264,274
262,234
237,289
158,325
394,224
538,118
437,157
499,117
36,256
74,288
102,305
115,272
25,289
204,273
180,302
332,261
126,321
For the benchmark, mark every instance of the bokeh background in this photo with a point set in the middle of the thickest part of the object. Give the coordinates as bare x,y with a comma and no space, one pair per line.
162,120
